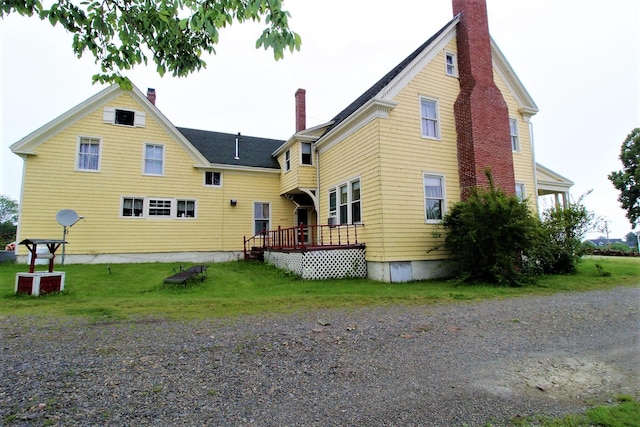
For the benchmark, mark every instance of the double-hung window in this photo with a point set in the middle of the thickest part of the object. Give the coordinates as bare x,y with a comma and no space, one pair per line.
261,216
520,194
345,206
333,207
153,159
429,118
88,154
433,197
305,149
513,127
287,160
450,64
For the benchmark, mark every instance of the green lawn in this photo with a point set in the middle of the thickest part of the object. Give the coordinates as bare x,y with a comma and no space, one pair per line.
234,288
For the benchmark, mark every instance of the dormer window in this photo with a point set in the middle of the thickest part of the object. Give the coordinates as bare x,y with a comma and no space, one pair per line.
124,117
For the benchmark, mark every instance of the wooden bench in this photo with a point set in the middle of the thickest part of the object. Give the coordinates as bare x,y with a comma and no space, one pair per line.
181,278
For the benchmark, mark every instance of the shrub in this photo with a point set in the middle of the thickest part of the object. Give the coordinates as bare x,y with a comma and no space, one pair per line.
491,236
559,245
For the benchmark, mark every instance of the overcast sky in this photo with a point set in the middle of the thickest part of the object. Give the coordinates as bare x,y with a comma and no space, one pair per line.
577,58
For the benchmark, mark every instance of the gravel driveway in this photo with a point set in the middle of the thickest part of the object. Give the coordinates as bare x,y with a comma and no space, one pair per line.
435,365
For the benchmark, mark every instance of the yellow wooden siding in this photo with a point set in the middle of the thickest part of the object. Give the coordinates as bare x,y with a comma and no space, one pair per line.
51,183
406,156
523,163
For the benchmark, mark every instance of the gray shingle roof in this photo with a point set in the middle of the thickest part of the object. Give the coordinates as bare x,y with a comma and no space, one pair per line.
380,84
220,148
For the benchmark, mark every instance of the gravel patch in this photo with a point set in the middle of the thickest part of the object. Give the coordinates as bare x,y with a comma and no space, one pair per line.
462,364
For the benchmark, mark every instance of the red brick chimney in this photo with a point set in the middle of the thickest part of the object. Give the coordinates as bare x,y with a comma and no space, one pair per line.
301,110
151,95
481,113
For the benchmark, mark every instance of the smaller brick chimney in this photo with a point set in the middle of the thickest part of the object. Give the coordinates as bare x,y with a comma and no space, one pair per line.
151,95
301,110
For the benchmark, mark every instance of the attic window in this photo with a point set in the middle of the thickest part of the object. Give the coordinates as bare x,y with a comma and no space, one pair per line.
124,117
451,65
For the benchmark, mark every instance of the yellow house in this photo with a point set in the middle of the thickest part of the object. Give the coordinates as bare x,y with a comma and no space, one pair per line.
375,180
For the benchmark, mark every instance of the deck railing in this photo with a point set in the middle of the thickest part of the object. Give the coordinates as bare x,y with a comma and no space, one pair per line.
304,237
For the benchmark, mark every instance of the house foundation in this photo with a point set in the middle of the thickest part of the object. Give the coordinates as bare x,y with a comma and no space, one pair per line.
407,271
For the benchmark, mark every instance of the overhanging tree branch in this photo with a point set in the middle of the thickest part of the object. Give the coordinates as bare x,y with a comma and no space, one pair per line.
121,34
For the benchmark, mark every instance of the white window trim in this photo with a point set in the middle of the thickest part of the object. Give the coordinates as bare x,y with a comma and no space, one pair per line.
444,197
435,100
144,158
311,154
336,188
204,179
455,64
109,116
77,165
517,135
173,209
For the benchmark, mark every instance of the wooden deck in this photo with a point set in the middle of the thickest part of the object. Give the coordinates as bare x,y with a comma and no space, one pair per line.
302,238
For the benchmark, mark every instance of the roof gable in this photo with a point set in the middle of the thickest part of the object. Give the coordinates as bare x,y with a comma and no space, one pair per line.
28,145
392,83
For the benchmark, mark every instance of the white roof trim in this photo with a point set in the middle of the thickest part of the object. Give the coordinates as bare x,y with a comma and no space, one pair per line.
527,106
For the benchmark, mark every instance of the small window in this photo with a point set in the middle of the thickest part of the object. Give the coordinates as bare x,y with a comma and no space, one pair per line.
306,153
261,215
433,197
515,143
153,159
287,160
132,206
186,209
451,65
520,194
125,117
429,112
213,179
88,154
158,207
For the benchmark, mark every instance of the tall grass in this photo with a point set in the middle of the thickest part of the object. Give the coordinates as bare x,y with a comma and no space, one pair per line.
234,288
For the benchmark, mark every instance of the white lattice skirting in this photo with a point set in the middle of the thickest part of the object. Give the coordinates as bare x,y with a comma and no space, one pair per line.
321,264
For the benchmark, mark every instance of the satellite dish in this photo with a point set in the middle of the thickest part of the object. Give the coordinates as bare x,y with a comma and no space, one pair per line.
67,217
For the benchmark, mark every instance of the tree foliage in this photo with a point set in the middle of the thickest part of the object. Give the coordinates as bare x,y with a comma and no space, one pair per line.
8,210
8,220
174,33
489,236
627,180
